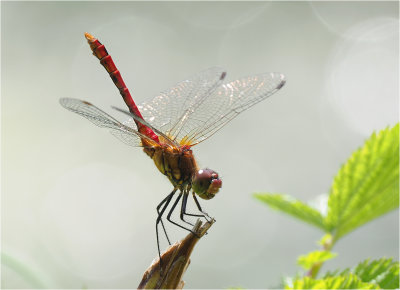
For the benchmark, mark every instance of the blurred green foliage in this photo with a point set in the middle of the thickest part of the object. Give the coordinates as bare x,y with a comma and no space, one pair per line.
365,188
377,274
315,257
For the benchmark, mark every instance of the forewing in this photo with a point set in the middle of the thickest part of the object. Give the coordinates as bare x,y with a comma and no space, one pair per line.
225,103
126,134
170,110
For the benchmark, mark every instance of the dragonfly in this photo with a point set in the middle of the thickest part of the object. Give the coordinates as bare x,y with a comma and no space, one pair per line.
170,124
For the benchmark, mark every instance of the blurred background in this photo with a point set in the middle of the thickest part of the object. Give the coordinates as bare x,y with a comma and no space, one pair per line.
79,207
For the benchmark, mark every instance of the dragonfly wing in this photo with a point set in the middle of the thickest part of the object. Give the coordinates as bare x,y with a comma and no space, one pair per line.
169,110
100,118
127,137
225,103
134,118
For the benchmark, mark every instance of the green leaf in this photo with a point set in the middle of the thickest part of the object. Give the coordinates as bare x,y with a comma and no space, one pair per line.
383,272
367,186
293,207
337,272
348,281
313,258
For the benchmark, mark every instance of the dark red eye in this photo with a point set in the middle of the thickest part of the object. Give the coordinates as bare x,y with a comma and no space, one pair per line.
206,183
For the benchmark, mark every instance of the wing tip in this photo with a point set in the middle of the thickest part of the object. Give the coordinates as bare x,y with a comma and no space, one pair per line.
281,84
282,79
223,75
63,101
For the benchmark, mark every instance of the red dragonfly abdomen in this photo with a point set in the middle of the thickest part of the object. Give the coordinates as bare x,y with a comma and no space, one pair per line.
107,62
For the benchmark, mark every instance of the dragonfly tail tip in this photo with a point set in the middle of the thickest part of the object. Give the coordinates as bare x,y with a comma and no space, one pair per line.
89,36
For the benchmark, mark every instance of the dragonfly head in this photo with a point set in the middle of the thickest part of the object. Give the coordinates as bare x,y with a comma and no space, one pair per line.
206,183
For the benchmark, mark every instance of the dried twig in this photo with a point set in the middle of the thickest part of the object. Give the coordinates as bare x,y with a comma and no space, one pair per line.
175,261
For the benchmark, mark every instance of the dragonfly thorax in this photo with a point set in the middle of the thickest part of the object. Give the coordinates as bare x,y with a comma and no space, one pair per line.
177,163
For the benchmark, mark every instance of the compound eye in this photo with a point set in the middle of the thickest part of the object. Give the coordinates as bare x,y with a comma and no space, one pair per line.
202,179
206,183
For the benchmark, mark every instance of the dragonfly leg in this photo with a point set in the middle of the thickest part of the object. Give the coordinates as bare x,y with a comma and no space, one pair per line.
166,200
162,224
172,210
183,209
205,215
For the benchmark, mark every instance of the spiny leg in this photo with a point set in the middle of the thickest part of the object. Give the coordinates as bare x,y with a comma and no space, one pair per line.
205,215
172,210
159,218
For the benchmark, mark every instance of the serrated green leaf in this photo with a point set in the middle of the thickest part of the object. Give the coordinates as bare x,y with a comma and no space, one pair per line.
383,272
348,281
390,280
367,186
293,207
315,257
337,272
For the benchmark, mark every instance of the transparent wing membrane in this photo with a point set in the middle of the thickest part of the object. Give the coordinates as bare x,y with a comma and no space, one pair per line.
226,102
169,111
194,109
126,134
131,123
188,113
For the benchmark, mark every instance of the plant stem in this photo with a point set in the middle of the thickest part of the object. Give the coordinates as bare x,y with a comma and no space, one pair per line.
175,261
327,246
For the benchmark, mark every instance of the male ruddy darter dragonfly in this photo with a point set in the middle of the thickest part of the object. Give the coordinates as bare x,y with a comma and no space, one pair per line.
169,125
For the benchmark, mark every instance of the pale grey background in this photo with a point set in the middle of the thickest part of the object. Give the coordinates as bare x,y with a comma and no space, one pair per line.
78,206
